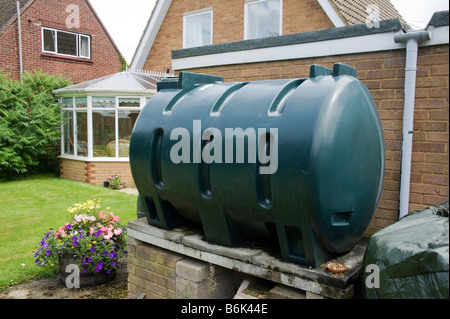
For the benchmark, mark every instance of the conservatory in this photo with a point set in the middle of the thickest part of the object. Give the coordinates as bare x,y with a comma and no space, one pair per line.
98,118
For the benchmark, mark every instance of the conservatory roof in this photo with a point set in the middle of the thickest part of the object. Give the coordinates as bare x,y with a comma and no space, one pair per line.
129,82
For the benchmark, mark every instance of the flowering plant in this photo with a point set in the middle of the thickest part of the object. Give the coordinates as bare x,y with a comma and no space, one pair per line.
116,181
94,236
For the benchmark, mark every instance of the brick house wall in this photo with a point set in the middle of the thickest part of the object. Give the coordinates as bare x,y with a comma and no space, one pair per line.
298,16
105,57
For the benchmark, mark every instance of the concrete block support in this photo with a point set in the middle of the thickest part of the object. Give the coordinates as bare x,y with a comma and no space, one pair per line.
179,264
200,280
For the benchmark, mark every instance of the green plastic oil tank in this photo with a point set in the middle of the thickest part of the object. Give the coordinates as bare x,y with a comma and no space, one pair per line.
298,161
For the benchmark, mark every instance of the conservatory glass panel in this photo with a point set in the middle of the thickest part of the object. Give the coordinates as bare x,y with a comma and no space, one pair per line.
104,132
129,102
67,102
81,134
127,119
81,102
68,132
103,102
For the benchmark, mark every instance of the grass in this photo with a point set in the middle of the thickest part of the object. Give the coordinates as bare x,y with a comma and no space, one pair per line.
30,206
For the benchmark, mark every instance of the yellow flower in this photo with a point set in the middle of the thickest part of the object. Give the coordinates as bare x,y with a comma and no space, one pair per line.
94,242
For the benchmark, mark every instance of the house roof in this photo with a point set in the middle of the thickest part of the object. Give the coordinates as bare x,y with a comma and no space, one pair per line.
340,12
356,12
8,13
129,82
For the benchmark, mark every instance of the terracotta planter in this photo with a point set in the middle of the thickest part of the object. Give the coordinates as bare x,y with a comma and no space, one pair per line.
85,280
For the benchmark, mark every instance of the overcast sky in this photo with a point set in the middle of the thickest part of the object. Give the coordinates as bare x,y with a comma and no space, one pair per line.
126,20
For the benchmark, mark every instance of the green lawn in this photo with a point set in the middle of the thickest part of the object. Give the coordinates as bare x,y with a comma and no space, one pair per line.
30,206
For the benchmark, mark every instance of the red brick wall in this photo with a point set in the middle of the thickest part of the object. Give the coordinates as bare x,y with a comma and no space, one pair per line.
228,25
52,13
384,75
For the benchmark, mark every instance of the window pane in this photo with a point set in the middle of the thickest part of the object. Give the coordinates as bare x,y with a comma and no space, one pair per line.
81,102
127,119
103,130
49,40
81,134
103,102
67,102
67,43
84,47
263,19
198,30
129,102
68,132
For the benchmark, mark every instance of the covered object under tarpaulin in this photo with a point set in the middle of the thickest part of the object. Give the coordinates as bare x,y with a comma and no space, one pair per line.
412,256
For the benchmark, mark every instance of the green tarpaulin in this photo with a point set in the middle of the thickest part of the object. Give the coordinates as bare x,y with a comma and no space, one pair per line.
412,256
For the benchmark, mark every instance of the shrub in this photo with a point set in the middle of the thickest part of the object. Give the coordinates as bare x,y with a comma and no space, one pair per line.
30,120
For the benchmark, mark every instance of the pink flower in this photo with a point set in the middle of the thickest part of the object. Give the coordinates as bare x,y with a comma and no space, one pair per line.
118,231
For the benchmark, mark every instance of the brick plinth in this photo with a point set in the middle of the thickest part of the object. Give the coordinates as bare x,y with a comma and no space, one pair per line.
94,173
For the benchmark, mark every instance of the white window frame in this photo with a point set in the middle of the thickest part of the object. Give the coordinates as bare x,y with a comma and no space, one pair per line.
80,36
78,41
196,13
247,3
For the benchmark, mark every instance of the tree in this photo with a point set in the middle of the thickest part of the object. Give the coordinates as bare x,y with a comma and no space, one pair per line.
30,121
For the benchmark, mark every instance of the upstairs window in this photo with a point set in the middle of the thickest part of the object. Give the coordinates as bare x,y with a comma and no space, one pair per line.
197,29
262,19
66,43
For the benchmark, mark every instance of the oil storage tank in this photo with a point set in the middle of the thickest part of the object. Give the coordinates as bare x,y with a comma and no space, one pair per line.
298,161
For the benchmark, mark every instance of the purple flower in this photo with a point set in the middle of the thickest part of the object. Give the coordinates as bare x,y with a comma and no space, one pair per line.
113,263
108,271
74,238
75,243
112,254
68,226
105,253
48,252
99,266
92,249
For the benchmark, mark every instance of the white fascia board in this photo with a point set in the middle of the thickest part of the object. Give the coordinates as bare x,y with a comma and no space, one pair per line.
367,43
359,44
148,38
331,13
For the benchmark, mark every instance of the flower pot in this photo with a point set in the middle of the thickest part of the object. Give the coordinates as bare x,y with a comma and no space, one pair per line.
106,184
86,279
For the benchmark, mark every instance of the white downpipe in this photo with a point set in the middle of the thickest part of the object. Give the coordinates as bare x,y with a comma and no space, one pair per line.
19,31
412,40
